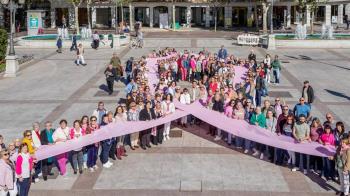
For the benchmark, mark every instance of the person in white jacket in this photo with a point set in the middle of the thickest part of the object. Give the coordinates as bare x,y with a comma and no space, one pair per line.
168,108
185,98
36,144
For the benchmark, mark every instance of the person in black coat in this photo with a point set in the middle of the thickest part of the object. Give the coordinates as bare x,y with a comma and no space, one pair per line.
110,73
308,92
158,138
218,106
46,139
146,114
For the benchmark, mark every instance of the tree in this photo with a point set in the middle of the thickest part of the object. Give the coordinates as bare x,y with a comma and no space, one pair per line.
88,6
119,3
216,4
174,13
76,4
311,6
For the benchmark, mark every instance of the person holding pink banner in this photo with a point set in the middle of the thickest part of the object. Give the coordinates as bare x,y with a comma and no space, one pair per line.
59,136
258,119
327,138
168,108
301,133
77,155
120,116
47,139
133,115
92,150
106,146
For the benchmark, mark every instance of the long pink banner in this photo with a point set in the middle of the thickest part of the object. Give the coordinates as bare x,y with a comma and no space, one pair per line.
237,127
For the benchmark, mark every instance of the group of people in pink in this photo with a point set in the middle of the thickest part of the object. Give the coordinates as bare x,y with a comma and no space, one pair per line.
222,82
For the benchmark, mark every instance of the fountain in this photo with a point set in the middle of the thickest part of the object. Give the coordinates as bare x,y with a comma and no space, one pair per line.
63,32
327,32
330,32
300,31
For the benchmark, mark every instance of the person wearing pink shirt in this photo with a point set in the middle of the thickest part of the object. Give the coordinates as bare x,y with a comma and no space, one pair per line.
192,68
24,166
327,138
84,126
59,136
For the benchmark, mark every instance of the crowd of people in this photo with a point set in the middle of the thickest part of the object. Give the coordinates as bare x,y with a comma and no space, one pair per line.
211,78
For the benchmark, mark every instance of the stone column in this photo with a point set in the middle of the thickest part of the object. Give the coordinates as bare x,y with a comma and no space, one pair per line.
347,9
151,17
2,20
71,17
228,17
250,16
170,14
289,16
188,16
198,15
207,16
53,17
93,17
132,16
340,14
113,16
328,15
308,16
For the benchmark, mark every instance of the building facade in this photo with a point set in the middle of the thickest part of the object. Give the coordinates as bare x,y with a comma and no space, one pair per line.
201,13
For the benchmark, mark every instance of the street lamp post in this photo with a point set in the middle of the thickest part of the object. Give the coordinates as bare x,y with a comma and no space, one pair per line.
11,58
271,18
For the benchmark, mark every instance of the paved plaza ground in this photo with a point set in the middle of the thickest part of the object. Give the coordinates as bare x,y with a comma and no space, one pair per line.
51,87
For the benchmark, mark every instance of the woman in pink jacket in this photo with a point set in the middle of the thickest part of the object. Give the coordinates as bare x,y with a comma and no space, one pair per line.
7,178
24,166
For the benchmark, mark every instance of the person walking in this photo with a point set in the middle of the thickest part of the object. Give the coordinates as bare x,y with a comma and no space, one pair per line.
59,44
8,184
276,68
74,42
24,165
80,56
115,61
110,74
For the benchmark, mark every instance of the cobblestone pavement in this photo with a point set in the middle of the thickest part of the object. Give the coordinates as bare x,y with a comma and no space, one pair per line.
52,88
